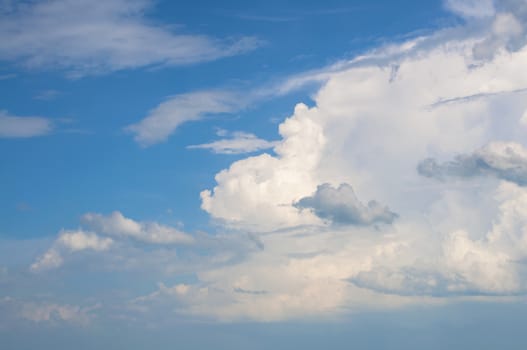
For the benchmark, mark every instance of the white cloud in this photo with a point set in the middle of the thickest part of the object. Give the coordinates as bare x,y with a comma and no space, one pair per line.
258,192
119,226
238,143
364,138
523,120
69,242
51,259
49,312
371,127
471,8
317,272
22,127
162,121
507,33
86,38
79,240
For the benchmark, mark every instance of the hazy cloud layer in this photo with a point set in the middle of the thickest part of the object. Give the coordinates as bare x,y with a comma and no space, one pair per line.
341,206
503,160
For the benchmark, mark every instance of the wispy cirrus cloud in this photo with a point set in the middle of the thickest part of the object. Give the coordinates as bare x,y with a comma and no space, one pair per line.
82,37
163,120
238,142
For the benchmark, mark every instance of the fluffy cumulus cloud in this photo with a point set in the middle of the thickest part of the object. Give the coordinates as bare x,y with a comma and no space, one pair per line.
238,143
103,232
86,38
12,126
341,206
258,192
370,126
163,120
507,161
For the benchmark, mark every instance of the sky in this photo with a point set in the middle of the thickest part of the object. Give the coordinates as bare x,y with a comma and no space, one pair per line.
280,174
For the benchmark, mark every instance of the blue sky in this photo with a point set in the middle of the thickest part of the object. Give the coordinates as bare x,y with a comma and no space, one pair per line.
270,175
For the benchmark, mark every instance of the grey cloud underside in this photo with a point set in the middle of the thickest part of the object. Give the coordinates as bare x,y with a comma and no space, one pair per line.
505,161
341,206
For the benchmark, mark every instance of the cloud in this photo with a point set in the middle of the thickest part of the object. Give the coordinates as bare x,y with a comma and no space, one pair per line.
118,226
341,206
238,143
322,272
47,95
368,124
51,259
507,32
69,242
79,240
23,127
471,8
46,312
163,121
121,231
523,120
257,192
82,38
503,160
